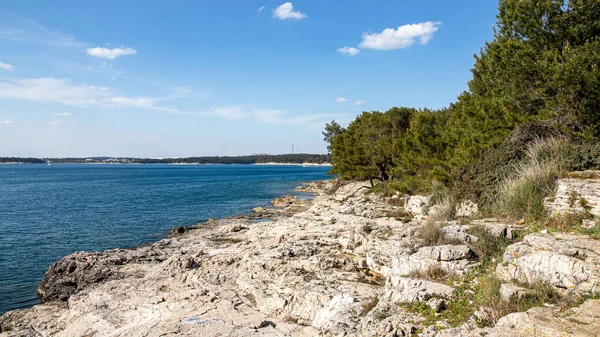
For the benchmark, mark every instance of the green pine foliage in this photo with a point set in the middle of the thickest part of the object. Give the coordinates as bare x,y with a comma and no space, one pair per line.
539,77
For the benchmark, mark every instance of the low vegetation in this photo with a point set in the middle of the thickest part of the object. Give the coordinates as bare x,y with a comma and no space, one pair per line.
569,223
522,194
430,234
433,273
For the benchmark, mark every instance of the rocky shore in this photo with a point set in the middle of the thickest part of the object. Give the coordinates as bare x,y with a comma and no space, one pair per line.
346,263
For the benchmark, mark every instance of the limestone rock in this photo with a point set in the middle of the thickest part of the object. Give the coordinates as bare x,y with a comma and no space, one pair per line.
496,227
467,209
418,205
567,262
458,233
335,312
545,322
406,290
452,258
331,266
79,270
578,194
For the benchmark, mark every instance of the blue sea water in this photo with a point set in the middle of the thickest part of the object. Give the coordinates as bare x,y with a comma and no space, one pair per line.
47,212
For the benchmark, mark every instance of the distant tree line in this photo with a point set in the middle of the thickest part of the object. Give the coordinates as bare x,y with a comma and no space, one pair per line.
21,160
296,158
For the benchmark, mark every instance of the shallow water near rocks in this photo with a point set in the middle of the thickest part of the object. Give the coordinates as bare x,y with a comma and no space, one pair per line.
47,212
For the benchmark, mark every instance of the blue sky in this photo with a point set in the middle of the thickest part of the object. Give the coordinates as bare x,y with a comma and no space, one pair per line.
158,78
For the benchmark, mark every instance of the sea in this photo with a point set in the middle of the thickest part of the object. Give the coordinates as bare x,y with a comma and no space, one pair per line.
49,211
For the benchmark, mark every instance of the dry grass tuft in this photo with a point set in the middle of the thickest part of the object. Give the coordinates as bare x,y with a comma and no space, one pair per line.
523,193
430,234
433,273
369,304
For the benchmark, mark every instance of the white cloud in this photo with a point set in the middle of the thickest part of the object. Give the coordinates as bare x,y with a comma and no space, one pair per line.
341,100
7,122
6,66
232,113
286,11
403,37
110,54
62,91
360,102
53,90
348,50
261,8
56,123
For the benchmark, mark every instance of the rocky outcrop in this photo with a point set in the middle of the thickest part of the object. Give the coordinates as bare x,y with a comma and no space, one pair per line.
451,258
408,290
338,265
299,275
78,271
567,262
580,193
580,321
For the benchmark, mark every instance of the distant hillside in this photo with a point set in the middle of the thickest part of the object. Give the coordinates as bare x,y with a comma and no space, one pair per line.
298,158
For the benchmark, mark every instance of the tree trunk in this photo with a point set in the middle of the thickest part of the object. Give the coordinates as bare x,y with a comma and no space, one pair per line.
382,175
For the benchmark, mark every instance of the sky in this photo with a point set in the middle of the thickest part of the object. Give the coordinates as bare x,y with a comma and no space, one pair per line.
177,78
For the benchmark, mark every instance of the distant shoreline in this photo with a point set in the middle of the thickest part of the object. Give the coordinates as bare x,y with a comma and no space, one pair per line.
259,164
292,164
305,159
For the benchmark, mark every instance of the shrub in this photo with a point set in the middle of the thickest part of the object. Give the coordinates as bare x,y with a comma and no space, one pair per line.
522,194
479,181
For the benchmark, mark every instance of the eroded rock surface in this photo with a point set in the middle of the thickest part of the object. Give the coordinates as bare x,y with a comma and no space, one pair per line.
578,194
567,262
338,265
